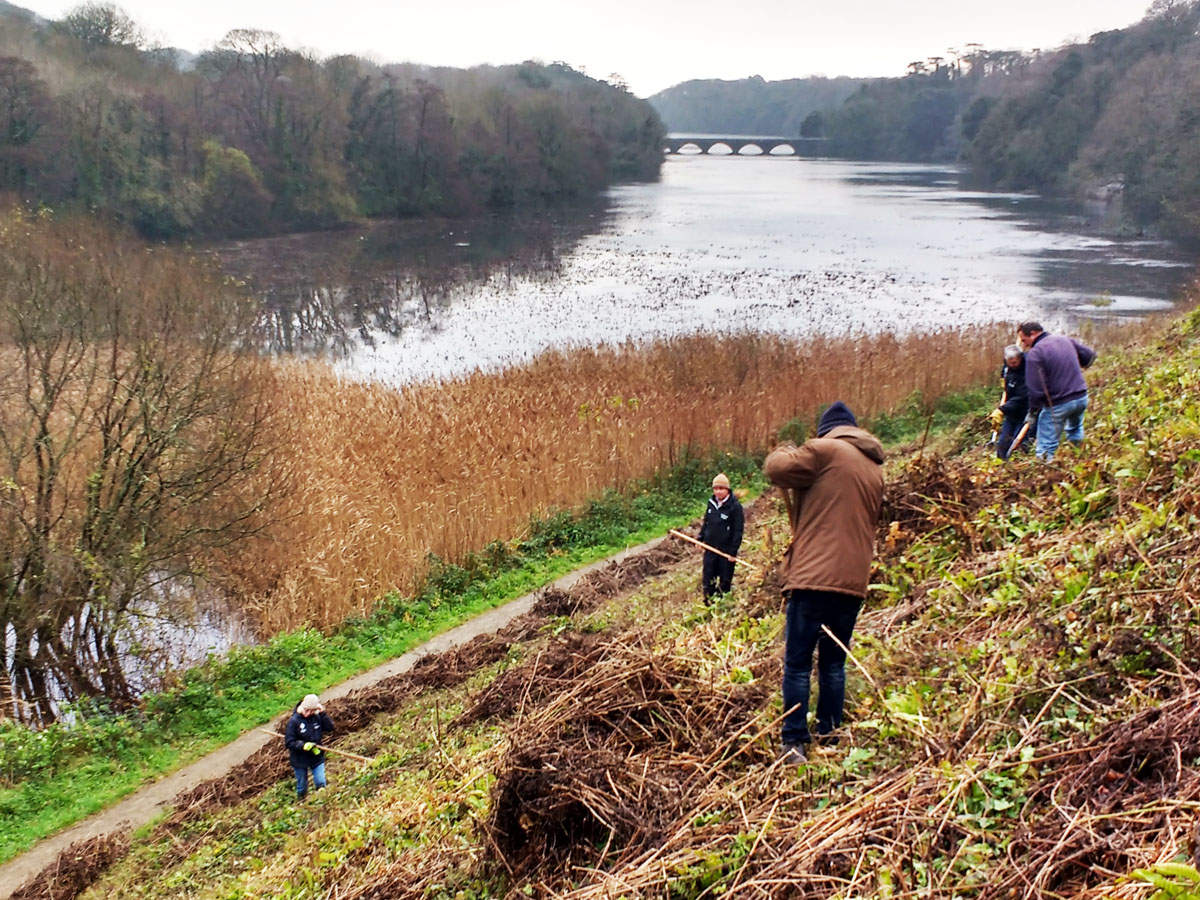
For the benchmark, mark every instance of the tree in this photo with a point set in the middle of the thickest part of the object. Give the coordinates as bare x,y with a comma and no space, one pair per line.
134,431
813,125
25,110
99,25
235,202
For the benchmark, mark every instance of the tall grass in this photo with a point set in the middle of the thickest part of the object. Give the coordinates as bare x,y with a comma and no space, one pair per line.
387,477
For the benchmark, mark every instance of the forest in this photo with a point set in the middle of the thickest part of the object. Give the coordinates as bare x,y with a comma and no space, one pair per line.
751,105
254,137
1114,119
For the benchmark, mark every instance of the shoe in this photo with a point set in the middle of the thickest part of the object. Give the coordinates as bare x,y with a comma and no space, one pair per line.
793,755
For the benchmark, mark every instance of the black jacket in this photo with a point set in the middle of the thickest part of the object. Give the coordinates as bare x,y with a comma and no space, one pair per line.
300,730
723,525
1016,403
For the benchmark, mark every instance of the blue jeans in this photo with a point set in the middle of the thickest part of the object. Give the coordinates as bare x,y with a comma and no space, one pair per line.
301,772
1053,421
807,611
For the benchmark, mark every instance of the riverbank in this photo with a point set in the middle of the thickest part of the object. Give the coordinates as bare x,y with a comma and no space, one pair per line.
58,776
149,801
1021,715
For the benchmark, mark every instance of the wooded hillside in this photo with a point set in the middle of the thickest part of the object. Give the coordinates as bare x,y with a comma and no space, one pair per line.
255,136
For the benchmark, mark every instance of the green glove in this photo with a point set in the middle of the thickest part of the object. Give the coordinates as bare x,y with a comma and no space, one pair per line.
312,748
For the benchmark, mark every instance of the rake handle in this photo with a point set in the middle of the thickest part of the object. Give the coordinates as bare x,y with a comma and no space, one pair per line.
711,549
365,759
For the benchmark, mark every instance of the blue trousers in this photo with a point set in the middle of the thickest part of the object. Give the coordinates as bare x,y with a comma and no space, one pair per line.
807,611
1054,421
301,773
1008,431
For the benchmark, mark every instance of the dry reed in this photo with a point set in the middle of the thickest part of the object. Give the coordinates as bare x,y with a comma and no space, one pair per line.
385,477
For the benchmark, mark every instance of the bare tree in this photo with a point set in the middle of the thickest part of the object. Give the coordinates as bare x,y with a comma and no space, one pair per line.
134,429
97,25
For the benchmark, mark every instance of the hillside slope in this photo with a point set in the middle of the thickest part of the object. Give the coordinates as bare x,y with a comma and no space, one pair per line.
1025,721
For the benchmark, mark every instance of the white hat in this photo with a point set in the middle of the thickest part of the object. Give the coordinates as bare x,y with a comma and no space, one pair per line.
310,701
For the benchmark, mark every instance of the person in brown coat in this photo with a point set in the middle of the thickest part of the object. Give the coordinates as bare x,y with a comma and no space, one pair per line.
836,480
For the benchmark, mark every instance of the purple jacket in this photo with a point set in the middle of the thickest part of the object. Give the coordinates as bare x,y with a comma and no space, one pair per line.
1054,370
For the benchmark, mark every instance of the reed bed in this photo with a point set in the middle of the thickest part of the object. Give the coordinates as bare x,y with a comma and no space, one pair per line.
385,477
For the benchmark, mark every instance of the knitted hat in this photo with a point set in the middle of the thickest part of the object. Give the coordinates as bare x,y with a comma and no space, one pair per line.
837,415
310,702
721,481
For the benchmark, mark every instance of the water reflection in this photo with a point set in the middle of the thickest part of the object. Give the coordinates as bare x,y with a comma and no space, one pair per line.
337,291
764,244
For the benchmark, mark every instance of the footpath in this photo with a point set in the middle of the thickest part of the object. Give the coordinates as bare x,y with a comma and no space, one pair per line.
145,804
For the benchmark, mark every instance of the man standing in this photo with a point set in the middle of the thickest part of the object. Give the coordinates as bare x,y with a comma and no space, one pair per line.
1058,394
837,480
306,728
722,529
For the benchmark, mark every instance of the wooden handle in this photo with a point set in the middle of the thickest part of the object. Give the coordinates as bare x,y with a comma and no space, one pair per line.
710,549
323,747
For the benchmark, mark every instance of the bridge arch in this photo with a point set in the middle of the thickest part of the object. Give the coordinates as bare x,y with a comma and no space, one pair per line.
735,144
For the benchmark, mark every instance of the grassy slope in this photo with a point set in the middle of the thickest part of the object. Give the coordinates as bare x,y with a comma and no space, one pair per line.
1025,722
53,779
59,777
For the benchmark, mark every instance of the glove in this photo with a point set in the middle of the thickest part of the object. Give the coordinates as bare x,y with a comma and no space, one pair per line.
996,417
312,748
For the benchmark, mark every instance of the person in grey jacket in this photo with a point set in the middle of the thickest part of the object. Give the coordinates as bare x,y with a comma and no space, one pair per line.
1058,395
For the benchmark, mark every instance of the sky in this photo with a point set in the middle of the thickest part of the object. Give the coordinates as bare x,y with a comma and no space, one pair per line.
650,45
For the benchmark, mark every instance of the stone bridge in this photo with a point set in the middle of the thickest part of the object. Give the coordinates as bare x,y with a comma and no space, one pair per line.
735,143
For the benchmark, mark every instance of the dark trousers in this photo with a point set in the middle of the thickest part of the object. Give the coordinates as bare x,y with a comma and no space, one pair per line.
807,611
1008,431
716,575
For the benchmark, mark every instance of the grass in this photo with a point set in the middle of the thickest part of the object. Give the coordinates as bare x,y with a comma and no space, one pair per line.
61,774
64,774
1029,726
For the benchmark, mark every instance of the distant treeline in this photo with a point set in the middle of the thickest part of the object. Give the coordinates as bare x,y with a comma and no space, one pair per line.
253,137
751,105
1117,117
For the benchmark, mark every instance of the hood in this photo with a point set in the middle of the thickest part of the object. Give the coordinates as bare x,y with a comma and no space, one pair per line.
860,438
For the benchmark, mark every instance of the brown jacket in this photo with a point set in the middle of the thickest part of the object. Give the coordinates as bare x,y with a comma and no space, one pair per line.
838,483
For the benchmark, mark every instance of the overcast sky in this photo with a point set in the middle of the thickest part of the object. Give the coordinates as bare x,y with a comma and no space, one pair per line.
651,44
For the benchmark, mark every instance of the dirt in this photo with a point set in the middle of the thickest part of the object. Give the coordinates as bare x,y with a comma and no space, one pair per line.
76,868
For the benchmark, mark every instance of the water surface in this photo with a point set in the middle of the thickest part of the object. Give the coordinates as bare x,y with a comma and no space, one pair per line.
777,244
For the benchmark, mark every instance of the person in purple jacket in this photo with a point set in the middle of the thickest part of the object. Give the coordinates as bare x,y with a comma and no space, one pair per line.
1058,394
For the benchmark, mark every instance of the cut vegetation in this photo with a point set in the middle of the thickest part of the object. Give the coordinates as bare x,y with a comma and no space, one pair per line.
1025,722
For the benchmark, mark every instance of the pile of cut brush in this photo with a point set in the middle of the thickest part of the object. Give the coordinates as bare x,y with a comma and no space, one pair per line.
619,756
646,780
649,770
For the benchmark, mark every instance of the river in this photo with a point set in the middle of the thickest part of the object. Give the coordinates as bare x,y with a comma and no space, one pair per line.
778,244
